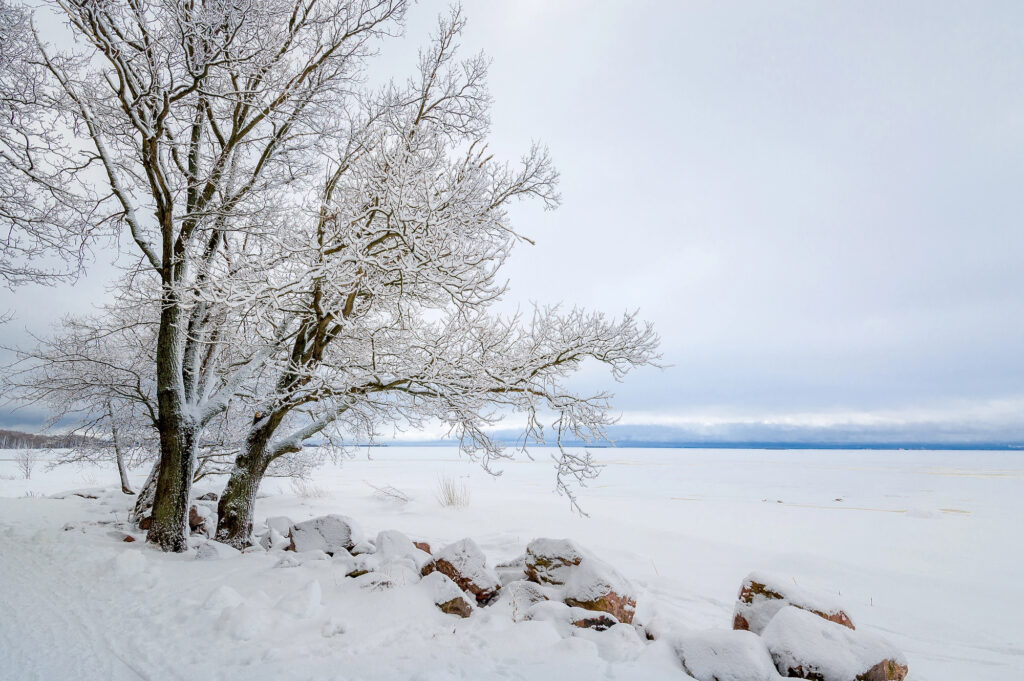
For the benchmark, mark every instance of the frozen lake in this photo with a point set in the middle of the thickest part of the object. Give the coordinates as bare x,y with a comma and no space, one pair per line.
922,547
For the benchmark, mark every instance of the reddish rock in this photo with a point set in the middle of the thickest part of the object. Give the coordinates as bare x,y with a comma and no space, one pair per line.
202,520
128,539
549,561
465,564
806,646
422,546
145,522
761,596
597,622
595,585
456,606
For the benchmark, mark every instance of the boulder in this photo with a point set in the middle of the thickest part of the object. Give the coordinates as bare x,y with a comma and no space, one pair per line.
209,496
553,611
422,546
282,524
761,596
364,547
549,561
214,550
519,596
595,585
202,520
806,646
326,533
393,546
465,564
447,595
274,541
725,655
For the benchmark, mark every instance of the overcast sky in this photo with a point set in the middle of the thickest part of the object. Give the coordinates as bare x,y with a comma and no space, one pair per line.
818,204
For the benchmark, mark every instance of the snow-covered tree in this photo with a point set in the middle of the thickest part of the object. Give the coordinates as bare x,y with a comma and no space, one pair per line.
317,255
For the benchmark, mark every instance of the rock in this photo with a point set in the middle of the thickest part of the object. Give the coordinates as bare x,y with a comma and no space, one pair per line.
554,611
202,520
725,655
363,547
465,564
327,533
213,550
549,561
393,546
363,564
422,546
447,595
761,596
806,646
209,496
595,585
274,541
145,522
128,538
519,597
281,524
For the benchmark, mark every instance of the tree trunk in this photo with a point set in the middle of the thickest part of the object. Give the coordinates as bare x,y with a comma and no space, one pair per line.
125,485
147,493
178,434
238,500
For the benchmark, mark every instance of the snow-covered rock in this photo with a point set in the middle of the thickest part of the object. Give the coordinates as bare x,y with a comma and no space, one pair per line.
395,546
466,565
519,596
326,533
365,546
725,655
215,550
202,520
806,646
446,594
763,595
282,524
595,585
554,611
274,540
549,561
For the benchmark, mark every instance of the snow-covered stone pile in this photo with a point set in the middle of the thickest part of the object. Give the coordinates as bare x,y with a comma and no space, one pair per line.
779,630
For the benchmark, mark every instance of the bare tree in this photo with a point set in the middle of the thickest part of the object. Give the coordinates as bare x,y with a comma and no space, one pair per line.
198,116
398,267
314,256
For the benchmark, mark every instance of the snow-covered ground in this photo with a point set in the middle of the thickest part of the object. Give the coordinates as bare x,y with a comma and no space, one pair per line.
923,548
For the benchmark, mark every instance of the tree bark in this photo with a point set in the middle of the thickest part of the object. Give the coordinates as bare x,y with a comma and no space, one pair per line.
178,434
238,500
125,485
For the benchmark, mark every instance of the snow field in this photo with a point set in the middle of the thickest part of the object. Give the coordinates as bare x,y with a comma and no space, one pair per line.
918,547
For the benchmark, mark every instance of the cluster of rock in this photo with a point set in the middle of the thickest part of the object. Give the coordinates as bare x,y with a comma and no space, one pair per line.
554,580
780,629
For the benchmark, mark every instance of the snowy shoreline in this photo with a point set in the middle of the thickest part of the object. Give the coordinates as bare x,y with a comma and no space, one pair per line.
916,544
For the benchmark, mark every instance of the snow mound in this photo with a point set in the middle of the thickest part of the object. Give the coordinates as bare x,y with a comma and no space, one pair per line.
304,602
810,647
725,655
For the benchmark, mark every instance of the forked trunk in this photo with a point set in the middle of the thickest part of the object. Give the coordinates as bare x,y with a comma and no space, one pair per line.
238,501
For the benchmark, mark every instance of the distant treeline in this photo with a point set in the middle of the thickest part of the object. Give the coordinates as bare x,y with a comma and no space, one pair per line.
13,439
